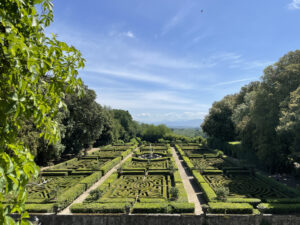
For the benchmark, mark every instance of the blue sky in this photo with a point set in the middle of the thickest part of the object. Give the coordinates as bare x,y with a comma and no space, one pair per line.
169,60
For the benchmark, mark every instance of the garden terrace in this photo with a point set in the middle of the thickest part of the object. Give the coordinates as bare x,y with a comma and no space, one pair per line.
229,188
140,186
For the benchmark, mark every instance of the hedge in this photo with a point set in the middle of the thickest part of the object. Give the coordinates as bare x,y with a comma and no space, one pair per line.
39,208
188,162
150,208
238,172
230,208
199,178
70,195
279,208
179,150
82,173
90,180
98,208
147,200
209,193
182,207
54,173
115,200
279,186
283,200
109,165
252,201
212,172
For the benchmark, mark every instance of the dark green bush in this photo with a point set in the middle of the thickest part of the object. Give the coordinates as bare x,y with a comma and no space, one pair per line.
230,208
279,208
40,208
98,208
283,200
150,208
252,201
154,200
109,165
70,195
116,200
182,207
54,173
212,172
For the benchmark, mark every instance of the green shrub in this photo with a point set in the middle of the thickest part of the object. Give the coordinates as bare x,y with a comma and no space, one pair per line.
147,200
40,208
252,201
54,173
212,172
238,172
182,207
82,173
90,180
98,208
283,200
150,208
188,163
222,192
279,208
177,177
199,178
115,200
70,195
230,208
174,193
109,165
209,193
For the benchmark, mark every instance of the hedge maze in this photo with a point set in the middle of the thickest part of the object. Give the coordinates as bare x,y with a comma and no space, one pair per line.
60,185
231,188
141,186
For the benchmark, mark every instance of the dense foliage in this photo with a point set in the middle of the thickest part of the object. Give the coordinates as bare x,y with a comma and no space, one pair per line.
264,115
35,73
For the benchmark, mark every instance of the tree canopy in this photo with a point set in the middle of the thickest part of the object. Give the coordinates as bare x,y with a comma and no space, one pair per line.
35,73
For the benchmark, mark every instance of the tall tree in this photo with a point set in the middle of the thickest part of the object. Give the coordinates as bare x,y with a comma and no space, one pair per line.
35,73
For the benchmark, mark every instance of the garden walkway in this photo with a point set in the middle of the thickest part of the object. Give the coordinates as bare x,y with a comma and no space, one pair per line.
192,195
82,197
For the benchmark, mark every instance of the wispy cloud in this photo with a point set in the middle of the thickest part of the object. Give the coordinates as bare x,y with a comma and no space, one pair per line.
295,4
234,81
140,76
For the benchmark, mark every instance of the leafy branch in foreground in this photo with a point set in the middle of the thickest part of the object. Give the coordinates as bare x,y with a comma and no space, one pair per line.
35,73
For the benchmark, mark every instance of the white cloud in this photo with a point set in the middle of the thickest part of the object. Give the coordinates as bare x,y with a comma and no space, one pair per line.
295,4
129,34
234,81
140,76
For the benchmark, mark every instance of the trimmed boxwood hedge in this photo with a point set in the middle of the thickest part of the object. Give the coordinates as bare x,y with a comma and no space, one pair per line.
252,201
70,195
109,165
90,180
283,200
230,208
115,200
182,195
179,150
177,207
212,172
98,208
279,208
146,200
188,162
209,193
54,173
150,208
39,208
199,178
282,187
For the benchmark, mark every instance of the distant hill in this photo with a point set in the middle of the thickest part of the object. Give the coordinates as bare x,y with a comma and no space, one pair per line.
182,123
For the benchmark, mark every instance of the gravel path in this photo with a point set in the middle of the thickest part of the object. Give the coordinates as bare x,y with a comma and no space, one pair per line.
83,196
192,195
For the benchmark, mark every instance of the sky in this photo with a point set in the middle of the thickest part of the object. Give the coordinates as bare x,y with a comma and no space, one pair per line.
169,60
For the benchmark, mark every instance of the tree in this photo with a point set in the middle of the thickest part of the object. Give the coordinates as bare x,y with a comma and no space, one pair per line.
218,122
35,73
84,122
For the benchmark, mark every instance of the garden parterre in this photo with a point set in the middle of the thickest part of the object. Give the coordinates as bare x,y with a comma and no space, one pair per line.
230,188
